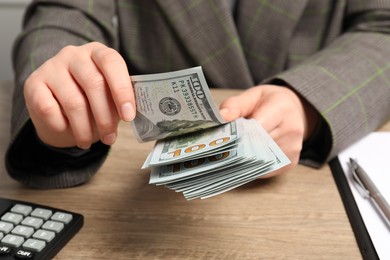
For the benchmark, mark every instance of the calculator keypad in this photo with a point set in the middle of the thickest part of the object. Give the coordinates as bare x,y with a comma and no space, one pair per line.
29,229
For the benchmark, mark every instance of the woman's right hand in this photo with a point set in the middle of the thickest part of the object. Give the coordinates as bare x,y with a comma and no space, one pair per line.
79,96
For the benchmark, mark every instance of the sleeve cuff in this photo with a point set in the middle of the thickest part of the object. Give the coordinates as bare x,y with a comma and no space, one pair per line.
315,150
71,151
31,162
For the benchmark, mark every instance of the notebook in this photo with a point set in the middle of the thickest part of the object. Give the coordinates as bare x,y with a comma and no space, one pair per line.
371,230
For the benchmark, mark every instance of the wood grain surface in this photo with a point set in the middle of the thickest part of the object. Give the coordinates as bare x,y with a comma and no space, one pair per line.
298,215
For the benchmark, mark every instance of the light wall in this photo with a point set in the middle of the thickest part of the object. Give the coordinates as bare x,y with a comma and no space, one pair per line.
11,13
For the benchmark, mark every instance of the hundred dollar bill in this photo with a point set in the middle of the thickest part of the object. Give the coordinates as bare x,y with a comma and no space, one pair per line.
207,174
173,103
185,147
226,180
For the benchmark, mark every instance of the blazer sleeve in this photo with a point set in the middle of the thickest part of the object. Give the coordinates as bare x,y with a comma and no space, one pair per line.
49,26
348,82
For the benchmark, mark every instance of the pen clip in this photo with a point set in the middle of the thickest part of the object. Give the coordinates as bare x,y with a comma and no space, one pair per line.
360,187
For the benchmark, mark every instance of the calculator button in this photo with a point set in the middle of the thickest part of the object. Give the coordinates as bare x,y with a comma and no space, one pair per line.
12,217
23,231
4,250
33,222
62,217
34,245
6,227
21,209
53,226
1,235
23,254
12,240
41,213
44,235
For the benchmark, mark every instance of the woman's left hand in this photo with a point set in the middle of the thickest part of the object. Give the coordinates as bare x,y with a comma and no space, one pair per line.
282,113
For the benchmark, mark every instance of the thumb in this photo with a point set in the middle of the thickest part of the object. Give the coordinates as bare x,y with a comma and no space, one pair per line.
241,105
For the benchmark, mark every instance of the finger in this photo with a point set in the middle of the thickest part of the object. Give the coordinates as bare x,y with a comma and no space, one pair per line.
228,109
267,113
114,69
292,150
241,105
43,106
74,105
95,87
290,142
277,172
291,146
276,133
44,110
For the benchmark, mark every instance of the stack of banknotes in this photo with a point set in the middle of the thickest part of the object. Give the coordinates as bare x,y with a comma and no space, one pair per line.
196,152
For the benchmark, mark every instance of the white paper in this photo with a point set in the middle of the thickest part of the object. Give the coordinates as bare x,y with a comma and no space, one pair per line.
373,154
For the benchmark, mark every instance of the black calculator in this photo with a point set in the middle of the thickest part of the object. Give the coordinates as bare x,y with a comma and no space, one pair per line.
33,231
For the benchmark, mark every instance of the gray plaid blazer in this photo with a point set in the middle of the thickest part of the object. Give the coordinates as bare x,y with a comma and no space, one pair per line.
335,53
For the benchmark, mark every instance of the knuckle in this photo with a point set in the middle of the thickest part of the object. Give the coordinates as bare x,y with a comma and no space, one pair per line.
230,101
74,103
67,50
84,140
29,87
31,80
94,44
43,108
121,92
297,130
108,56
106,126
93,81
58,129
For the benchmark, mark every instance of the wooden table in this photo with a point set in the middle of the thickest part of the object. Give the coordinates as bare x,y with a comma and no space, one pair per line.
298,215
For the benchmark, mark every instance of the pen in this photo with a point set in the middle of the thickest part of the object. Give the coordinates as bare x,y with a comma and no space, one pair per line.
372,191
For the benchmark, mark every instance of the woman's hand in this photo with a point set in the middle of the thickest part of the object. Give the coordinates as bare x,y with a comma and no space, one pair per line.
283,114
78,96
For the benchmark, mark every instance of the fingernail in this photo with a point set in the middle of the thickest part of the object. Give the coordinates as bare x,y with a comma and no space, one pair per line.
127,111
109,139
224,111
84,147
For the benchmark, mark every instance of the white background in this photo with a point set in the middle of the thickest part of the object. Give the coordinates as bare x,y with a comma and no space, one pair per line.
11,13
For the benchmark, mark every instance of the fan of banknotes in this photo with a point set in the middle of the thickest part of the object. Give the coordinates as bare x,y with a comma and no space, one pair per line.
196,152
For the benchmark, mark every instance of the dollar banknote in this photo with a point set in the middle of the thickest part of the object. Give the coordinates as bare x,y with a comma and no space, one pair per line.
196,152
189,146
250,154
173,103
